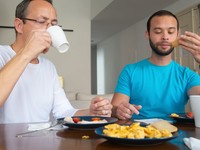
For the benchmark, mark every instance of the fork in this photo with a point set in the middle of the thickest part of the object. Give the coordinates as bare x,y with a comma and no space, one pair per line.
58,122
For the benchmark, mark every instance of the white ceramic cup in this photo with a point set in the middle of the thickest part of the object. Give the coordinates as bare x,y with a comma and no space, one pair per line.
195,106
59,40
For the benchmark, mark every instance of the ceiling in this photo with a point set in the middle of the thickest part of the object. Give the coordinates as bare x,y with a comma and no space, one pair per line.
121,14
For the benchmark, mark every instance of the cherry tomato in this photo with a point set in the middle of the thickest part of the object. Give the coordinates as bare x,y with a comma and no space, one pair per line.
76,120
190,115
95,119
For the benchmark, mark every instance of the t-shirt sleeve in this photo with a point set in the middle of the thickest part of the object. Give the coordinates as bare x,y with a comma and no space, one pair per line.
1,62
193,79
2,58
123,83
61,105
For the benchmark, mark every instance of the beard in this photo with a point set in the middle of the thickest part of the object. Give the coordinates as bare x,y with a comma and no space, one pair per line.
159,52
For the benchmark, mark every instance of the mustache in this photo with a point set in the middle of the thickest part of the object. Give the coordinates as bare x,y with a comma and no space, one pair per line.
164,43
155,48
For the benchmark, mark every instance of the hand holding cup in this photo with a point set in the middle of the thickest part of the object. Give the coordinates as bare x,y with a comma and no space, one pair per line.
59,40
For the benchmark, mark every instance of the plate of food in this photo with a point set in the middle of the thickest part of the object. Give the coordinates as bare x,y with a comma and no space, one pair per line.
183,117
87,122
136,134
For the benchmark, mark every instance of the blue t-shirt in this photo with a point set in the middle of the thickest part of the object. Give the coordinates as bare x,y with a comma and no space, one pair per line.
161,90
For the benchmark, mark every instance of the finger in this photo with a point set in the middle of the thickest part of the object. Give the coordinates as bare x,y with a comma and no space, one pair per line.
96,113
97,99
134,109
125,111
123,114
102,112
189,41
120,115
104,107
191,34
98,107
101,103
138,107
190,48
107,113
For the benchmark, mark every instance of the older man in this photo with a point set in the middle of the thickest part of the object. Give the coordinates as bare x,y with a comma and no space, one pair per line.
29,84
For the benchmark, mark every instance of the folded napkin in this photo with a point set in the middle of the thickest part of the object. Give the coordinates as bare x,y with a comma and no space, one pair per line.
192,143
38,126
48,126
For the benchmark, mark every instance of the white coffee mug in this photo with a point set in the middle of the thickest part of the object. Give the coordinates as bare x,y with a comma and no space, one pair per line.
59,40
195,106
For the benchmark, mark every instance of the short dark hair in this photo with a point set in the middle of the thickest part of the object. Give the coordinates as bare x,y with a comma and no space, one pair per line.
21,9
161,13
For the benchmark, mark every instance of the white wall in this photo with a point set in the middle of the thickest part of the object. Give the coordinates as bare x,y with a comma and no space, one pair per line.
128,46
98,5
74,65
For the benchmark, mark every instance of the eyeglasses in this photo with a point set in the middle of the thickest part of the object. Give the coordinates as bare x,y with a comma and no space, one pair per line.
42,21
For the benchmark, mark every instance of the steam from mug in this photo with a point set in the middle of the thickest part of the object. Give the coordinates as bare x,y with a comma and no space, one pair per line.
59,40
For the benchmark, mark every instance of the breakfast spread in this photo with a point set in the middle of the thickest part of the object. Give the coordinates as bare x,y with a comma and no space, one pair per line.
92,122
174,115
78,120
164,125
136,131
188,115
